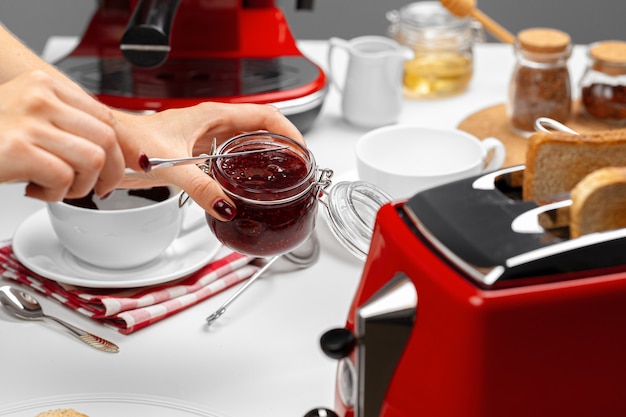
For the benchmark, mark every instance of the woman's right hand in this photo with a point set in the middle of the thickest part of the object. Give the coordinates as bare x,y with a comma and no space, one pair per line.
57,138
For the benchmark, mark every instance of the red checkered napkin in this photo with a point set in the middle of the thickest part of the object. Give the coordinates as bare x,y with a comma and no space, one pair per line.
129,310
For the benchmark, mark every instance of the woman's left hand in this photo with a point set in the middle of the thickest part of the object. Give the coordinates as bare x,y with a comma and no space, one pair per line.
189,132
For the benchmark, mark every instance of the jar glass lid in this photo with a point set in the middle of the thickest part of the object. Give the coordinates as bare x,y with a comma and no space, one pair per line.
351,208
431,14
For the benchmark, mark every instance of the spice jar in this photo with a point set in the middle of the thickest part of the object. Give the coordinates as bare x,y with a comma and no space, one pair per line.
540,85
603,84
275,193
442,43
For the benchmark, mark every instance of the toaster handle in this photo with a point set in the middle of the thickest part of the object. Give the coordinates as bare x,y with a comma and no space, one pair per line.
338,343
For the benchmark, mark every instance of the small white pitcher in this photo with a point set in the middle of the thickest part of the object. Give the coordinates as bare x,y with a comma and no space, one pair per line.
372,90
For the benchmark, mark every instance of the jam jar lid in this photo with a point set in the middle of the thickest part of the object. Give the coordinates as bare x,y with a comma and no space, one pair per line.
608,57
351,208
609,51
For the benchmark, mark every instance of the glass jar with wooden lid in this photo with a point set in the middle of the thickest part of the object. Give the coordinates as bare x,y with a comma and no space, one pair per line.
540,85
603,84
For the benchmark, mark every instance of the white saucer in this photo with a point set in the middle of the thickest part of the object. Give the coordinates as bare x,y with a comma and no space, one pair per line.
36,246
108,405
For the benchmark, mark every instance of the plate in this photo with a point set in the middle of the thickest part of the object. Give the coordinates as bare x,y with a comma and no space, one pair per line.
36,246
118,405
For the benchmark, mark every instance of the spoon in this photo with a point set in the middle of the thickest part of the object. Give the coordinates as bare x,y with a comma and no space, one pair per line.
303,256
25,306
546,124
201,159
464,8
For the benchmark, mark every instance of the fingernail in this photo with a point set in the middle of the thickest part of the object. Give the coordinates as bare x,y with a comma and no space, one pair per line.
224,209
107,195
144,162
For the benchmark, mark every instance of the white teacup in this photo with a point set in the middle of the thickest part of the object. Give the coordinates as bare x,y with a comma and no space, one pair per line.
404,159
124,232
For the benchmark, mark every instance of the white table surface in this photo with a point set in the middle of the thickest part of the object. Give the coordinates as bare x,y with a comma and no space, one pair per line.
262,357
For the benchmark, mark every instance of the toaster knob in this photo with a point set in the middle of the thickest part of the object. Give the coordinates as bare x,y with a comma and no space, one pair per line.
338,343
321,412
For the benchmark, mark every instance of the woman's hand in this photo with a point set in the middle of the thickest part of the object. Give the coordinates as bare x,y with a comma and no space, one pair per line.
58,139
190,132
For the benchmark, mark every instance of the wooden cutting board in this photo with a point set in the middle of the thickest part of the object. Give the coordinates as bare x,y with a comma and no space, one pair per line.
493,122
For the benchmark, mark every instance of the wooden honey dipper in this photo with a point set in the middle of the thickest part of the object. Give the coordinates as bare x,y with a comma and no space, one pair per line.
464,8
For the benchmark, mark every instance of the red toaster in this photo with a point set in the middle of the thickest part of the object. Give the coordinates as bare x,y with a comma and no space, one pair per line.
467,307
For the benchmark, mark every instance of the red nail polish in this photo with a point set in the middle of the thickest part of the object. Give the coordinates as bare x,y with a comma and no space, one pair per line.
224,209
144,162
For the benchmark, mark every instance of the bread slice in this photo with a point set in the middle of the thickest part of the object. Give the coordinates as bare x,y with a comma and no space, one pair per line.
557,161
599,202
62,412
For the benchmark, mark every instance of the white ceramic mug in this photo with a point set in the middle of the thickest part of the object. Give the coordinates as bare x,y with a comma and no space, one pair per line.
372,86
404,159
125,231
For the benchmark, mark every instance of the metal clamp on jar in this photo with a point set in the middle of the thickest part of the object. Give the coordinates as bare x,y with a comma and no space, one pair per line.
443,63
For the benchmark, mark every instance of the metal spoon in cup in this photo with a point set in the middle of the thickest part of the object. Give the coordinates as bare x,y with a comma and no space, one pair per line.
24,306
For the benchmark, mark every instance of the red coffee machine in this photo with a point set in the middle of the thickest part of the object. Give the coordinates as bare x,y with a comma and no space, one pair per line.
468,307
151,55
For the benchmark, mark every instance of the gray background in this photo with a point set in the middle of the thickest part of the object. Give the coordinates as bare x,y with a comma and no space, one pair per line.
585,20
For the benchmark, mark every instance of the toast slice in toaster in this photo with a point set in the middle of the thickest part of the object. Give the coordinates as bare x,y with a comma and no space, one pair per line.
599,202
557,161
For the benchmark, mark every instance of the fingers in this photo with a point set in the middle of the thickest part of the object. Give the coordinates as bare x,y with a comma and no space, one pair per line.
83,159
202,189
55,116
227,120
89,125
93,150
49,177
269,118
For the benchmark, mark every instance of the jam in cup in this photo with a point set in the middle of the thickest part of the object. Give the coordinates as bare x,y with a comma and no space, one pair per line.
275,193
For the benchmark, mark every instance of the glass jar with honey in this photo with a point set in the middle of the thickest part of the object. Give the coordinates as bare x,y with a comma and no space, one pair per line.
603,84
540,85
443,45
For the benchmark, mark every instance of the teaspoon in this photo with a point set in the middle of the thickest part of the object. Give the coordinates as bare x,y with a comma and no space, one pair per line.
303,256
546,124
196,160
25,306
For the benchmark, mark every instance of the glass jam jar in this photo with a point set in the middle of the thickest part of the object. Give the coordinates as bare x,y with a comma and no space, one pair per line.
275,193
603,84
540,85
443,64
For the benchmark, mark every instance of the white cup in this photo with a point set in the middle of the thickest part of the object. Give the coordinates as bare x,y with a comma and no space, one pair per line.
124,232
404,159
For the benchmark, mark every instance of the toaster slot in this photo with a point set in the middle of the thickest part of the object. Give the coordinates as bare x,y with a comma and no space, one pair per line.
510,184
507,181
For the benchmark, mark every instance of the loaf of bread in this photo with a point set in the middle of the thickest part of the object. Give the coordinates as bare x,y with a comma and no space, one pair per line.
557,161
64,412
599,202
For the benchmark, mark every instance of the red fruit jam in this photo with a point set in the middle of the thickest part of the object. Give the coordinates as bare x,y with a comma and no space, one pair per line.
275,193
